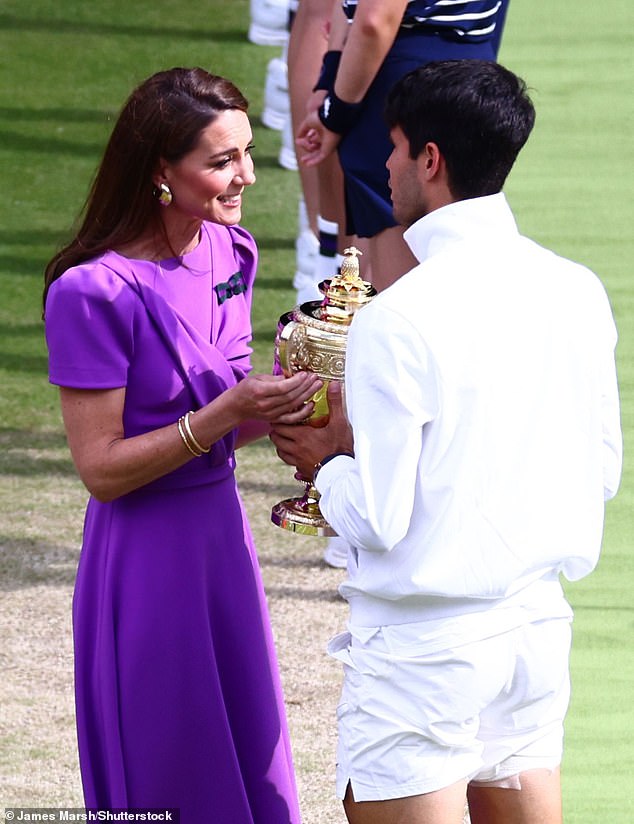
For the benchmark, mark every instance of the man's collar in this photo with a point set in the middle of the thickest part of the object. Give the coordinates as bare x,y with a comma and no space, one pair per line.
476,217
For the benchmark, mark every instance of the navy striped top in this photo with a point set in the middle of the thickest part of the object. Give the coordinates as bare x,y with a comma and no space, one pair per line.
471,21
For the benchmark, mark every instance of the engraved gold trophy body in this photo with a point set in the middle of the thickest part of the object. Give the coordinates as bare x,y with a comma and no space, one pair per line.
313,337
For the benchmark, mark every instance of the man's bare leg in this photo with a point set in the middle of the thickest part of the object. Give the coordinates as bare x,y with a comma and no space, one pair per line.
537,802
444,806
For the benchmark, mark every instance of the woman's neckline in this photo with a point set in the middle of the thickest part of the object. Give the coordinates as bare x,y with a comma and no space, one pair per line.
136,254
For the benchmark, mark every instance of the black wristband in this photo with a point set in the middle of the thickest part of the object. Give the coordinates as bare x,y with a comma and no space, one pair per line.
329,66
325,460
337,115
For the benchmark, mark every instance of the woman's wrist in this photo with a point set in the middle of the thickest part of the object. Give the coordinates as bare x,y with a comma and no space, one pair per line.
189,439
201,429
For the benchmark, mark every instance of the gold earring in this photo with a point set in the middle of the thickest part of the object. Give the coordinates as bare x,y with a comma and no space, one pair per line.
163,194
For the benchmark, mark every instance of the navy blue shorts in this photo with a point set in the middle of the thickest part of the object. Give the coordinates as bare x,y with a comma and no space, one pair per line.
364,151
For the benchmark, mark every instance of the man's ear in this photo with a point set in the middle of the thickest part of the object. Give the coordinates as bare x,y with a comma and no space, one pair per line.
430,161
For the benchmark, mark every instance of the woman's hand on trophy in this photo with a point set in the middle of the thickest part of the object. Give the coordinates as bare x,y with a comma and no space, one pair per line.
274,398
305,446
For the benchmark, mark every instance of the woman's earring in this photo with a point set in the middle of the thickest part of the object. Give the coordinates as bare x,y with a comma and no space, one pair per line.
163,194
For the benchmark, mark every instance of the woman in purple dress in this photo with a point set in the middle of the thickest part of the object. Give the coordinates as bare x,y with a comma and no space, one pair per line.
147,311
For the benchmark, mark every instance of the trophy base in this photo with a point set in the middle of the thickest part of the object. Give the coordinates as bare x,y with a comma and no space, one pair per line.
298,515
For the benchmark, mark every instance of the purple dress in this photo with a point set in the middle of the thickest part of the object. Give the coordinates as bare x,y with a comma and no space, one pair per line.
178,696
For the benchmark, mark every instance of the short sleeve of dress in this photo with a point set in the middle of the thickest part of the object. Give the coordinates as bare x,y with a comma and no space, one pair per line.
89,323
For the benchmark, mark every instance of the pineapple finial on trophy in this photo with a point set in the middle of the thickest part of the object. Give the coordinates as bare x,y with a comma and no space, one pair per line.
346,291
349,269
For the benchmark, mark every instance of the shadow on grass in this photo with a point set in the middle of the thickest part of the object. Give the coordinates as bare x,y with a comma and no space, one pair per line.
31,267
26,563
274,243
50,145
51,26
17,362
601,608
287,562
28,237
250,488
16,114
297,594
23,330
21,454
270,284
20,258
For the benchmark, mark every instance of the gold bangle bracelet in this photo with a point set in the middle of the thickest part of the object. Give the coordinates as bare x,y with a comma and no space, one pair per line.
183,434
192,438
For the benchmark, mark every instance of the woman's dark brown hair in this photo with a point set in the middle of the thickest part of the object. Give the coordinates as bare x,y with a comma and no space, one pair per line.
161,120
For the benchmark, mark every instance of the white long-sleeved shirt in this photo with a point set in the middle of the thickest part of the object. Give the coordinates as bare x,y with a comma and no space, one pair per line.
481,389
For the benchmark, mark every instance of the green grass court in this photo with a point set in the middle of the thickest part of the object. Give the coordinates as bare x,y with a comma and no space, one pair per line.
65,69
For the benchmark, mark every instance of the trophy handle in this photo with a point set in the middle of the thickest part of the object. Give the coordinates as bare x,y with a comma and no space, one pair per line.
292,356
285,349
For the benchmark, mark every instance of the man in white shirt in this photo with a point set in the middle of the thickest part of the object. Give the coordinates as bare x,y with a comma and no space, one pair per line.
484,438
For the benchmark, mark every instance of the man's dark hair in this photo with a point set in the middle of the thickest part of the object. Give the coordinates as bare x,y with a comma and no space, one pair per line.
477,112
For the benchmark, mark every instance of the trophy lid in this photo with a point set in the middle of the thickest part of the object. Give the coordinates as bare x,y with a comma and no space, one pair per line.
346,292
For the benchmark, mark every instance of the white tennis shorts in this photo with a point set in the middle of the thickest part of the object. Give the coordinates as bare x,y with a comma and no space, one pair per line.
411,723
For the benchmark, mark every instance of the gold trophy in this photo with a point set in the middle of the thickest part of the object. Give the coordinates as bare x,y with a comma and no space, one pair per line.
313,337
